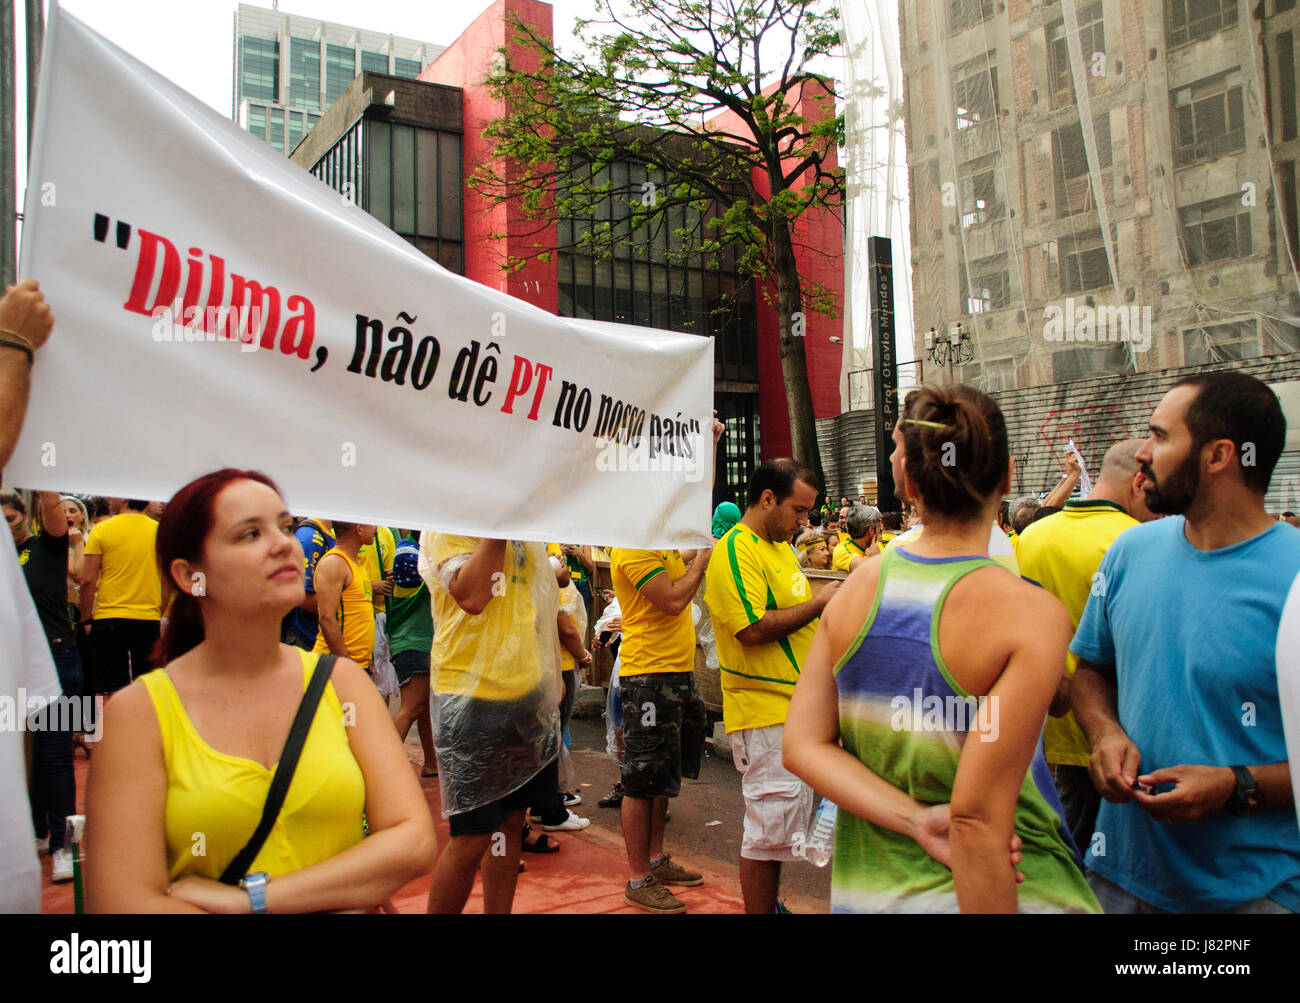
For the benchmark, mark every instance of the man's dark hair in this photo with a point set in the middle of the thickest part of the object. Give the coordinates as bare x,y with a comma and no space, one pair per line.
343,528
136,504
778,476
14,502
1232,405
815,518
97,506
892,521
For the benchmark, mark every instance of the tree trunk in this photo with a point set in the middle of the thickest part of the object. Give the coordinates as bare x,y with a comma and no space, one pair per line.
794,362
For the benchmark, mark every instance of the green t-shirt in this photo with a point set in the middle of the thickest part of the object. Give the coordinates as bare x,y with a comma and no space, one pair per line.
410,620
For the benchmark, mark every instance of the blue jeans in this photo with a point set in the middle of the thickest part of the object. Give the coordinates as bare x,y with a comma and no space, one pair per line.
54,786
1116,901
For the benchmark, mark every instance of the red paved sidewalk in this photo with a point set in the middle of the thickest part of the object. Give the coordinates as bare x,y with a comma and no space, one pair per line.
586,876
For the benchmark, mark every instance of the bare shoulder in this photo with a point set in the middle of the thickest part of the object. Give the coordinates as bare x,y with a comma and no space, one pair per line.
351,681
129,717
994,593
852,602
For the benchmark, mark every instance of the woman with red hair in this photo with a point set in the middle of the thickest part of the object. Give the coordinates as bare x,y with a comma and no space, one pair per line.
179,783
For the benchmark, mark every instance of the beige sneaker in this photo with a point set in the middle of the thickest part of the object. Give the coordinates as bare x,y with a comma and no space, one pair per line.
653,897
669,873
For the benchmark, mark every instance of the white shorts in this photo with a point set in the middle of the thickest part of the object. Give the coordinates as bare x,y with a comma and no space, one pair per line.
778,805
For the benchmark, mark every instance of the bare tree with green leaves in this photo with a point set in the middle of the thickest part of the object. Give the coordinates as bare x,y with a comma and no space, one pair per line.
648,91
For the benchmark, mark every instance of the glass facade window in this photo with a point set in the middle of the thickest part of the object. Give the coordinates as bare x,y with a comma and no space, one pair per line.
407,178
738,452
304,73
406,67
276,136
295,129
259,68
311,121
257,121
374,62
648,281
340,70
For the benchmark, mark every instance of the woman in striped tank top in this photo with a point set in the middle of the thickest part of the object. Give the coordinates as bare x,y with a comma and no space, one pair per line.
920,707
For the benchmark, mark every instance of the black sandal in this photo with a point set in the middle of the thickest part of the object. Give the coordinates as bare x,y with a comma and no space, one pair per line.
542,844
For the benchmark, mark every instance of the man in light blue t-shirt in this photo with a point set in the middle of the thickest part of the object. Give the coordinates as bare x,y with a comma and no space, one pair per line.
1176,686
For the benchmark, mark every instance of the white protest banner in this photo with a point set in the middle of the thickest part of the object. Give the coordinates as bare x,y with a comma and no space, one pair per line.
215,305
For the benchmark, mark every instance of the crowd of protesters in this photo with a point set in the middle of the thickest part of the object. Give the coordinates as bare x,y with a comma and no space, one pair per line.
1101,729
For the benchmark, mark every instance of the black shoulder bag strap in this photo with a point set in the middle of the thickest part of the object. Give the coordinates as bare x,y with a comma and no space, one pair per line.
284,771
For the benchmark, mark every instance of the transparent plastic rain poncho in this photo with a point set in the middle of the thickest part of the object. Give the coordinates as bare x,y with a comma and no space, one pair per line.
495,691
613,705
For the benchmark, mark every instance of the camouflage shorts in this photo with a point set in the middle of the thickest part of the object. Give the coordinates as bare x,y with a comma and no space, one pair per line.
664,720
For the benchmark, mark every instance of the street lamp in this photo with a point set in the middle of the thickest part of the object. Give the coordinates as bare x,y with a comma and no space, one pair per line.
947,350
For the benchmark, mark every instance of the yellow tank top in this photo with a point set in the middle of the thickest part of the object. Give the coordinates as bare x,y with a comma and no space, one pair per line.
356,615
215,800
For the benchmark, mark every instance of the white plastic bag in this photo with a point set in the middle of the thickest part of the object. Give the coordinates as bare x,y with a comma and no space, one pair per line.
381,664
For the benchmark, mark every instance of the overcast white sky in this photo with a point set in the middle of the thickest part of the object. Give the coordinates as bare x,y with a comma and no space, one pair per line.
191,41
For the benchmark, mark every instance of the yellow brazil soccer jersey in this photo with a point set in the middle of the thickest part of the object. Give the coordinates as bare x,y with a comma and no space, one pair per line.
130,587
495,655
356,617
377,559
1062,553
748,576
653,641
845,553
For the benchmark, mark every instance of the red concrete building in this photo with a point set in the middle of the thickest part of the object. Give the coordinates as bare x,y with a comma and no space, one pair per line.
407,145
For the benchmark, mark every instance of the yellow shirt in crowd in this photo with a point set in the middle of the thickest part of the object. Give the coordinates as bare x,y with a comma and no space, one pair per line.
222,796
356,615
495,655
571,602
844,553
653,641
377,559
130,587
1062,553
746,577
